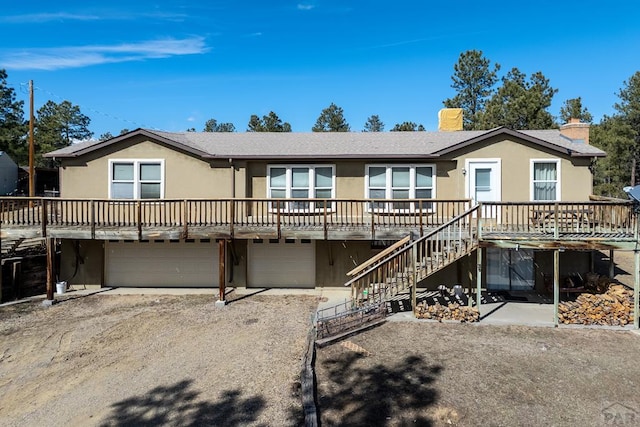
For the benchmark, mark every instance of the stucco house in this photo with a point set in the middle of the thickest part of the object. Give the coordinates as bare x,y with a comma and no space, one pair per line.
304,209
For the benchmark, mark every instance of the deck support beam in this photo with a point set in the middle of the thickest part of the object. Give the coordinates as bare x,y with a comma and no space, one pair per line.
0,262
556,285
479,279
222,255
51,274
636,291
414,279
612,264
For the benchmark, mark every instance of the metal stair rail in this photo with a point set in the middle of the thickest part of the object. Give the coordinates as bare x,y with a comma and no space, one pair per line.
344,319
413,261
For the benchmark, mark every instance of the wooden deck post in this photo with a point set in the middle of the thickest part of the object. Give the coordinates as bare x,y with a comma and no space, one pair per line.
612,264
556,285
1,218
414,288
139,218
222,244
16,274
50,271
478,280
44,217
636,291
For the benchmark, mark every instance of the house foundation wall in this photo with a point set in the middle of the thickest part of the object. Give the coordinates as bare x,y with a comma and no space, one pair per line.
82,263
334,259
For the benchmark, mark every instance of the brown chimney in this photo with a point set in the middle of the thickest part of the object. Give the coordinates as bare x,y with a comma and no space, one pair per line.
576,130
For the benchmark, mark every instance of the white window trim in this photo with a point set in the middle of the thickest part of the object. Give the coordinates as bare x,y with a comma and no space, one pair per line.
289,204
388,207
558,163
136,174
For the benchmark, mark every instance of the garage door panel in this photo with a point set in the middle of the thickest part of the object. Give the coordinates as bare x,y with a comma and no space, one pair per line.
281,264
162,264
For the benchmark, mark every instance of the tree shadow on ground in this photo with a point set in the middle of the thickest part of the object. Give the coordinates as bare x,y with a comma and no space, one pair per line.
177,405
356,395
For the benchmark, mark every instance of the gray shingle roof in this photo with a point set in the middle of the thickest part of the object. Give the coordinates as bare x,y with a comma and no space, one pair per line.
270,145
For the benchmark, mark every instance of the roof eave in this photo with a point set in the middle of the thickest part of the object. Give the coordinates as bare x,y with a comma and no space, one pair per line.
576,154
514,133
317,156
123,137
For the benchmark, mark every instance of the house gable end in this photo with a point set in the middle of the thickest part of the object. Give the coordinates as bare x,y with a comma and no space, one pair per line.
135,136
503,133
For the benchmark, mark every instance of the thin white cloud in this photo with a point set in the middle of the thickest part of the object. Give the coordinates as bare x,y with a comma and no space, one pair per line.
305,6
84,56
39,18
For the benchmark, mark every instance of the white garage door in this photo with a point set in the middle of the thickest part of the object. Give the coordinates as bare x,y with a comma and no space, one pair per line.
273,263
162,264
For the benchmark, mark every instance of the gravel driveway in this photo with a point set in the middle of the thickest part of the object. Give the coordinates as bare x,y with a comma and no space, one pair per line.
137,360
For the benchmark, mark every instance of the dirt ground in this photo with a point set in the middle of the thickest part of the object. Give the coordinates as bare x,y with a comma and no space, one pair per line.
143,360
441,374
153,360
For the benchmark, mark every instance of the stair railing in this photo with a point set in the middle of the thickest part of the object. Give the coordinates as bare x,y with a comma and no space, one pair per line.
413,261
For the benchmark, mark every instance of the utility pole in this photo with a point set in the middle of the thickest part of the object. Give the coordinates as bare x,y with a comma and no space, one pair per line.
32,188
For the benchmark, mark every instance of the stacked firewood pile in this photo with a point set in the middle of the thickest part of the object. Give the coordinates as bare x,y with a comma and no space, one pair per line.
613,307
451,311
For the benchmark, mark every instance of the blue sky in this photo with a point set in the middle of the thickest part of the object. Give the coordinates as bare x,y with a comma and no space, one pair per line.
172,65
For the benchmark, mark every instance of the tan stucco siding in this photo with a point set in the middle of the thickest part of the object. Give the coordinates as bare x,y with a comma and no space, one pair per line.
350,176
515,159
185,176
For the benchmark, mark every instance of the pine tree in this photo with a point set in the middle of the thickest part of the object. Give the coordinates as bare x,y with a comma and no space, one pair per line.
474,80
58,126
573,109
373,124
331,120
269,123
13,127
212,125
520,103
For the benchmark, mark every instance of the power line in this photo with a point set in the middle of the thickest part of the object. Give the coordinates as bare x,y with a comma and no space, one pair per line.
24,88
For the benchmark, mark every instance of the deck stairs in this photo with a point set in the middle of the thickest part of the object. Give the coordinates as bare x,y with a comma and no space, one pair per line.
396,270
9,245
18,246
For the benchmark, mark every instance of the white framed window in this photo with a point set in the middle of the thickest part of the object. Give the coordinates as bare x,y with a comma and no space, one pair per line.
301,182
136,178
400,182
545,180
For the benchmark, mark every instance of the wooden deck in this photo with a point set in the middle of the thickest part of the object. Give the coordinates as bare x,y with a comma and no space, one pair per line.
580,225
571,225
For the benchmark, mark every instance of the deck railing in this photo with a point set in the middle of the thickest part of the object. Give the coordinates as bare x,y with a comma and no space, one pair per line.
226,216
558,219
229,213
